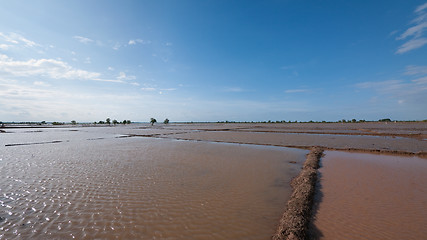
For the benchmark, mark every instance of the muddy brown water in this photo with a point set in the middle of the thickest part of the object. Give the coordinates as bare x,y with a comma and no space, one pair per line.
92,184
370,196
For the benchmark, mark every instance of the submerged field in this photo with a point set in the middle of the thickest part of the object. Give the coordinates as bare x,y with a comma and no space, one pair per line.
177,181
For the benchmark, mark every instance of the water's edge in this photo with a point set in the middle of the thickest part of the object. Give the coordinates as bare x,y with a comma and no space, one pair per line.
295,220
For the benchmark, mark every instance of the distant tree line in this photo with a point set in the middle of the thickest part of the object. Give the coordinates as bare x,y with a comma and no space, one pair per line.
166,121
311,121
108,121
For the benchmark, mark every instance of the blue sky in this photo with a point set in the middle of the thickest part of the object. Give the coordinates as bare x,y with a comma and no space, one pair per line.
213,60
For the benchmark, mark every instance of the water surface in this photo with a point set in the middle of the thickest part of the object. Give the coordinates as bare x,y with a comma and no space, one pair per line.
94,184
371,196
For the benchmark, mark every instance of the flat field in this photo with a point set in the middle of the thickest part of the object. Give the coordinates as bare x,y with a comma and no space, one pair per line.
200,181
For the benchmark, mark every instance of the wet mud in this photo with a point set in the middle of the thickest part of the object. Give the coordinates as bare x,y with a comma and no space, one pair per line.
392,138
294,222
35,143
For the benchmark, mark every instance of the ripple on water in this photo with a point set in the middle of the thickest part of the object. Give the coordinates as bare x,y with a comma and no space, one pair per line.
151,188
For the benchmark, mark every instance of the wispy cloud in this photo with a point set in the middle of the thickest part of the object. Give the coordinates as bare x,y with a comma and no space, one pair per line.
15,39
140,41
19,101
51,68
122,76
84,40
117,46
234,89
420,72
415,34
421,7
411,90
149,89
41,83
4,46
416,70
411,44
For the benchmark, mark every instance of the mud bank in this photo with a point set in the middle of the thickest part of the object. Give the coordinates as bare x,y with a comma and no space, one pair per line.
294,222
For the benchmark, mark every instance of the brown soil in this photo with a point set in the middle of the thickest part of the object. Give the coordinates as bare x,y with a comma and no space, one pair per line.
294,222
391,138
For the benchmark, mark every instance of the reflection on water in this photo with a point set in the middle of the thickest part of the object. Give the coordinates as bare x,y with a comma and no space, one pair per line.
140,187
371,196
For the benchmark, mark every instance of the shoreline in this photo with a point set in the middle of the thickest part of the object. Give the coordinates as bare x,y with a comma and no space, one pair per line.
294,222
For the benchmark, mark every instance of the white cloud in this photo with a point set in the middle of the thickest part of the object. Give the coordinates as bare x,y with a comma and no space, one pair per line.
141,41
22,102
416,32
411,91
54,69
122,76
110,68
150,89
421,7
4,46
44,67
15,39
383,86
411,44
41,83
168,44
84,40
88,60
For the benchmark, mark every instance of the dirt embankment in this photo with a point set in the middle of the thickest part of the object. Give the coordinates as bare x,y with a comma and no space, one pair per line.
294,222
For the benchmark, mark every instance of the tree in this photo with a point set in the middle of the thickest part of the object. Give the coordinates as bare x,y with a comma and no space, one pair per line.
128,121
152,121
108,121
73,122
166,121
115,122
353,120
124,122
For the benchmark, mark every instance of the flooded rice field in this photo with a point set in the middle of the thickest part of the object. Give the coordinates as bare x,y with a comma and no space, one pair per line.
88,183
370,196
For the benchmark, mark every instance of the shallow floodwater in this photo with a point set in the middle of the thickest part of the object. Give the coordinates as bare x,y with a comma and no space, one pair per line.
370,196
93,184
